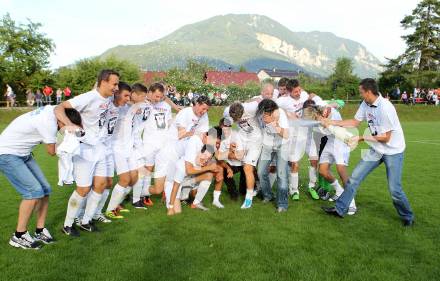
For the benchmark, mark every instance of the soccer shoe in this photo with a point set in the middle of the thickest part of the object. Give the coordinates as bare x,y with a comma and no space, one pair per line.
295,196
77,221
408,223
246,204
351,211
90,227
281,210
122,209
113,214
70,231
147,201
333,198
139,205
218,204
313,193
25,242
101,218
44,237
331,211
199,206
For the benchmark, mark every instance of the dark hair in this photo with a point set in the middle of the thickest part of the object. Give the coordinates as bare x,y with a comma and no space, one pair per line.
74,116
105,74
292,84
283,82
122,86
209,148
266,106
369,84
139,88
309,103
216,131
236,110
203,100
156,86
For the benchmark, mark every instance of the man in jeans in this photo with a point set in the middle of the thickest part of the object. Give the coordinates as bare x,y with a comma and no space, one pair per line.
387,145
18,165
275,127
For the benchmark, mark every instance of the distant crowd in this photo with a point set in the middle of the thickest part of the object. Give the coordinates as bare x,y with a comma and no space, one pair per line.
38,98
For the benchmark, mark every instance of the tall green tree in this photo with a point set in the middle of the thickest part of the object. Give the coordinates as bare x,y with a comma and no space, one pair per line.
24,52
342,82
419,65
81,76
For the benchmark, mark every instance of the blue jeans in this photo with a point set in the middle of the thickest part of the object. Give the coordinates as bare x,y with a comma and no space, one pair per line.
393,164
267,154
25,175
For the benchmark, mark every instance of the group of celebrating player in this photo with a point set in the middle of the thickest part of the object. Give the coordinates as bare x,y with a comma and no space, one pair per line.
131,130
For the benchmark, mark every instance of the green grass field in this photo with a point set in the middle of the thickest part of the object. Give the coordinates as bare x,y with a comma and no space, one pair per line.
254,244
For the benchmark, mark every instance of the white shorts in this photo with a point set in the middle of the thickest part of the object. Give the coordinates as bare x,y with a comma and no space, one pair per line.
300,146
252,152
124,164
333,155
151,152
84,170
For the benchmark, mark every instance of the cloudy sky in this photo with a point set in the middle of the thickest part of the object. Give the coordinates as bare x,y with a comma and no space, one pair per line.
82,28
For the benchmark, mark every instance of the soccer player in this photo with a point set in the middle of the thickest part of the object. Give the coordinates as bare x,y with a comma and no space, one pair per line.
18,165
90,167
127,147
244,114
300,137
121,98
275,143
387,145
156,135
335,152
188,122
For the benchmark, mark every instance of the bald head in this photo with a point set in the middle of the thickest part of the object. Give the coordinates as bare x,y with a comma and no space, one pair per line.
267,91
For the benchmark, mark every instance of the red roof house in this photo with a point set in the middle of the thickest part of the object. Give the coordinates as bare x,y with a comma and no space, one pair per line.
153,76
228,77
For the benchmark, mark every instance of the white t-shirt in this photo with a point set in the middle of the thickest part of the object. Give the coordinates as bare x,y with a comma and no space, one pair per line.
29,130
156,129
192,148
291,105
225,145
249,127
94,110
382,117
337,145
270,136
188,120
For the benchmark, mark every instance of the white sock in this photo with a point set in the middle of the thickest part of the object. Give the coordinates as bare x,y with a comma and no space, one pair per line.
137,190
352,204
82,208
75,201
312,176
272,178
249,194
116,198
337,188
128,189
201,191
91,206
101,204
168,189
146,186
293,185
217,196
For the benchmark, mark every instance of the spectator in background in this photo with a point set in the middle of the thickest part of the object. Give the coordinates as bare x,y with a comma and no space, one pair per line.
435,99
47,91
9,94
405,98
30,97
412,99
59,95
39,98
67,92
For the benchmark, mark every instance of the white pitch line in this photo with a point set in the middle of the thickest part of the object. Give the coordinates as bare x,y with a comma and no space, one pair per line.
426,142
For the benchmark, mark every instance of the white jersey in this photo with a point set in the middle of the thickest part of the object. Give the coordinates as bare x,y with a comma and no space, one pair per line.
191,122
249,126
192,149
156,127
270,136
333,143
94,110
225,146
28,130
